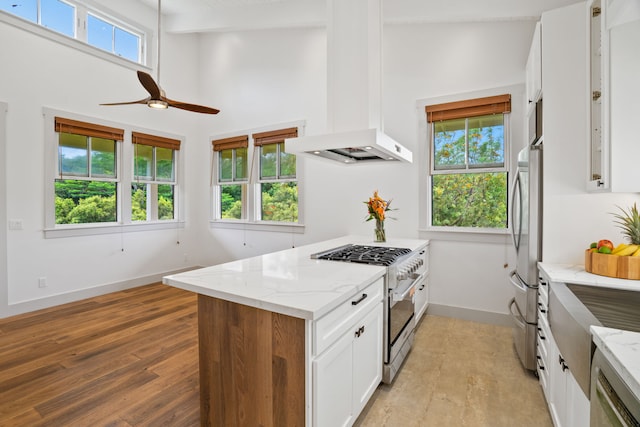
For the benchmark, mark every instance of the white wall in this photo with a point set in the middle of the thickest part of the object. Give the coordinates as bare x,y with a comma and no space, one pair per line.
37,73
3,206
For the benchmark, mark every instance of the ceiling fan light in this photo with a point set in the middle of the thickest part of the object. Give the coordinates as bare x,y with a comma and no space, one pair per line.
157,104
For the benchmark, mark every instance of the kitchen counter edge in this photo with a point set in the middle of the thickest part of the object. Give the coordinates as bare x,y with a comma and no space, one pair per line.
575,273
303,287
621,348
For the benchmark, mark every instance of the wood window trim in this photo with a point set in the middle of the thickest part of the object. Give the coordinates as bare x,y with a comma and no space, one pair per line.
498,104
241,141
274,136
155,140
87,129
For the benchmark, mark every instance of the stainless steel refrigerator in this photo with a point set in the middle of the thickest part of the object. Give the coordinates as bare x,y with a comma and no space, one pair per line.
526,222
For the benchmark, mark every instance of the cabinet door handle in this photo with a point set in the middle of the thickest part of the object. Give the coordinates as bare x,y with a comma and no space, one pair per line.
359,331
359,300
561,362
421,288
542,310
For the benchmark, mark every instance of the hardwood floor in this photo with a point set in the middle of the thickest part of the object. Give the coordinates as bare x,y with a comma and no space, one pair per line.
130,358
124,359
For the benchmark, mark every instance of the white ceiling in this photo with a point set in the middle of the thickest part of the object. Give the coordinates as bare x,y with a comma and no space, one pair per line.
224,15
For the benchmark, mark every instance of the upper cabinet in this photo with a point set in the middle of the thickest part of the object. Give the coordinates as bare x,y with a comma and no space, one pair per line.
534,69
614,91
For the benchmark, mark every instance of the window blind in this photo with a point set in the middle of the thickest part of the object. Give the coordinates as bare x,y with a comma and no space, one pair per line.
88,129
499,104
273,136
155,141
241,141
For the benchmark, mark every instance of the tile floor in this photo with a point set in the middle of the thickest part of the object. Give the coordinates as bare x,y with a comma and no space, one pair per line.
459,373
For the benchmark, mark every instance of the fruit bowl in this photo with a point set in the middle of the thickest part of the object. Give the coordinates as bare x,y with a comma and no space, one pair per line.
621,267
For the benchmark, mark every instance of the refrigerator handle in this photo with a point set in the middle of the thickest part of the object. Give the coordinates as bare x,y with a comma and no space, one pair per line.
515,281
516,315
516,188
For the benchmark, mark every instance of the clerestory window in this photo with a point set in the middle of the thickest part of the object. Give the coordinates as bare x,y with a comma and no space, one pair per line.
89,25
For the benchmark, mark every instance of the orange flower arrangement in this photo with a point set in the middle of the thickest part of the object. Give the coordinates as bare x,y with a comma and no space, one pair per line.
377,208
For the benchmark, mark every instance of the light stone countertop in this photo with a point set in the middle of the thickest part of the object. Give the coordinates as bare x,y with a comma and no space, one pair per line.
622,350
575,273
289,281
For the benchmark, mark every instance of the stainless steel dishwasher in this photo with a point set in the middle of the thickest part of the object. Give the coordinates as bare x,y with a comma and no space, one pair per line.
612,402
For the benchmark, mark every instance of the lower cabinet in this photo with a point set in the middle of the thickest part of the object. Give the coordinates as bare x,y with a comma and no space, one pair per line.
568,405
421,298
261,368
348,372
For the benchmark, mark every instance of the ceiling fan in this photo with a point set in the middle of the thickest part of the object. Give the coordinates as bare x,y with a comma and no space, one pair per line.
157,98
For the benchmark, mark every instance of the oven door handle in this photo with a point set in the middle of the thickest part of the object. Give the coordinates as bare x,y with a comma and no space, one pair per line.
397,295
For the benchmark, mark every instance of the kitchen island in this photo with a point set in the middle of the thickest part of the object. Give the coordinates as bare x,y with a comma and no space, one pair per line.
279,333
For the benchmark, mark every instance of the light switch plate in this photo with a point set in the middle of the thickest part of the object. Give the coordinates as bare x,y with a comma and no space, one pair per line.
15,224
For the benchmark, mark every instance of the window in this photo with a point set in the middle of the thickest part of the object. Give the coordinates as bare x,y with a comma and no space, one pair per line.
468,176
53,14
74,20
87,183
112,38
277,181
232,176
154,177
104,177
259,187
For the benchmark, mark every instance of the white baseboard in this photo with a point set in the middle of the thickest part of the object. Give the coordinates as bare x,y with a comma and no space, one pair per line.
499,319
52,301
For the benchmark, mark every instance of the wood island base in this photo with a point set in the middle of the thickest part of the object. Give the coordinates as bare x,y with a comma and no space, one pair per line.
252,365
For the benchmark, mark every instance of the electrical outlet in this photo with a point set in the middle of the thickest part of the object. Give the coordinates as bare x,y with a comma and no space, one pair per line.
42,282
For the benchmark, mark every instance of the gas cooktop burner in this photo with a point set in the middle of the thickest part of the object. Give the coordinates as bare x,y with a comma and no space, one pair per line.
376,255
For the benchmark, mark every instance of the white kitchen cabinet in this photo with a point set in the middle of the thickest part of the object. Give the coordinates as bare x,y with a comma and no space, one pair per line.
534,69
542,339
348,372
421,297
568,405
613,90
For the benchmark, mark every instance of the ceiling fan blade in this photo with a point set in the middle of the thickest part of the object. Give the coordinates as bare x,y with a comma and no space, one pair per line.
191,107
140,101
149,84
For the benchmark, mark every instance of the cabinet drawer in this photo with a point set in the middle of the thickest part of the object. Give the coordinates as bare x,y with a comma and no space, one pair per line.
543,376
543,292
542,309
335,323
543,351
542,339
543,324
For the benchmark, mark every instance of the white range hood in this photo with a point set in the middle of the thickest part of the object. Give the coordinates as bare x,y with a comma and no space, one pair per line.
354,90
350,147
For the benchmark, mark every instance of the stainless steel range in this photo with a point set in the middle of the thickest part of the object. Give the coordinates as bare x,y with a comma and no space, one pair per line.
406,269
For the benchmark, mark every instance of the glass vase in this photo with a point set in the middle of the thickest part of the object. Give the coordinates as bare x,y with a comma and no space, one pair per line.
380,235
